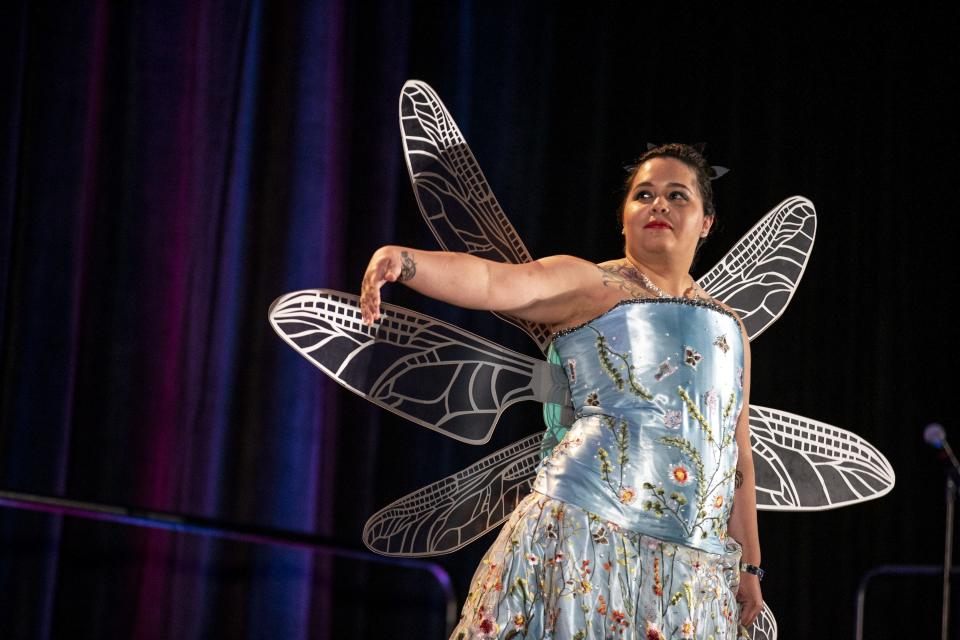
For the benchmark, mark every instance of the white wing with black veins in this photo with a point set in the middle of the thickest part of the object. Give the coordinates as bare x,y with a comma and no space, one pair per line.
428,371
758,276
455,198
805,465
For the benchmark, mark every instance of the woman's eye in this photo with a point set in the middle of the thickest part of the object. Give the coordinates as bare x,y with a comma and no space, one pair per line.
642,195
678,195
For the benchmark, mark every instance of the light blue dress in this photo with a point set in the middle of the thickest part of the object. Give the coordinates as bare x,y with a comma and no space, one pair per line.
625,533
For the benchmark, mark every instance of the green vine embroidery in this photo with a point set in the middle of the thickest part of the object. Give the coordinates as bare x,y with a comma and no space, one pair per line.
621,434
675,504
604,351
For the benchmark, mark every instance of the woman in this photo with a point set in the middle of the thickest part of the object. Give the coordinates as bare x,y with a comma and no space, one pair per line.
639,517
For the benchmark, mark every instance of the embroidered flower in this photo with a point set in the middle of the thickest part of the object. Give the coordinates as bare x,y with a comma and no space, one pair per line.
721,342
711,398
532,559
628,495
653,632
686,629
657,584
664,370
680,474
488,627
718,501
607,566
619,618
550,531
601,605
593,398
518,621
672,419
600,536
691,357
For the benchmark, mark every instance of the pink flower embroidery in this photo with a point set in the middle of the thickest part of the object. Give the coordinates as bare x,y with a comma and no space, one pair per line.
680,474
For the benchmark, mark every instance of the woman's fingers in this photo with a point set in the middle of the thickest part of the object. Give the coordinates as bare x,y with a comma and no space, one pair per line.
380,271
750,599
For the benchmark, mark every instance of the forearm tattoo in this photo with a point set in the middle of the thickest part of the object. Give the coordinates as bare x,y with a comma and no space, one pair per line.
618,275
408,268
737,479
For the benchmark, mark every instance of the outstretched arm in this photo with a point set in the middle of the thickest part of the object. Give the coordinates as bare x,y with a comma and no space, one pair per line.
743,520
541,291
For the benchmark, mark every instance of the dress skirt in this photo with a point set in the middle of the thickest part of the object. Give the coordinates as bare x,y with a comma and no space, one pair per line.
558,571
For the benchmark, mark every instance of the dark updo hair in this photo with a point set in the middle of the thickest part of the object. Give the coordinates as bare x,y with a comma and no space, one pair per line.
689,156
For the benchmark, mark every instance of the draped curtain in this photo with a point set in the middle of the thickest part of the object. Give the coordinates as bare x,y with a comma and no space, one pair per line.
170,168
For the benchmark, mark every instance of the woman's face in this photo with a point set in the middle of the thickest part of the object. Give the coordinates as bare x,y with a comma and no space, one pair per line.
663,213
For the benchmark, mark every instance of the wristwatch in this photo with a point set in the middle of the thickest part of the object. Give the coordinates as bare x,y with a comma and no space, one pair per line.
752,568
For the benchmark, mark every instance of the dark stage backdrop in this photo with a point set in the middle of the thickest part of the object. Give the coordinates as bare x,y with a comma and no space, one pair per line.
169,168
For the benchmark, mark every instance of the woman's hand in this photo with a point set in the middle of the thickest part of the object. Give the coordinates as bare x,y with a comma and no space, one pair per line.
388,264
749,597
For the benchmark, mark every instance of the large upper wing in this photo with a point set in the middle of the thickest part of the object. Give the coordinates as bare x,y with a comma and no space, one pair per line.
759,274
805,465
454,197
421,368
450,513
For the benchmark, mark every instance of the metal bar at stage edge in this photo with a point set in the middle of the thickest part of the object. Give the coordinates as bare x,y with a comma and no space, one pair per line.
891,570
217,529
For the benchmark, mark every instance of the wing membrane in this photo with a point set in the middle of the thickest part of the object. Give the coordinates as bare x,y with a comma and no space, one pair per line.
759,274
765,626
421,368
454,197
805,465
450,513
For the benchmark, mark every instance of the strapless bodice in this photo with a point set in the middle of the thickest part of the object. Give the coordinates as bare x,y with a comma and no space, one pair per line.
657,386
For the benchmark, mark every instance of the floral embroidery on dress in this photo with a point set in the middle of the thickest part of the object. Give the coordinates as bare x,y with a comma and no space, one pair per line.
613,371
593,398
711,398
664,370
653,632
680,474
650,450
710,489
691,357
722,343
672,419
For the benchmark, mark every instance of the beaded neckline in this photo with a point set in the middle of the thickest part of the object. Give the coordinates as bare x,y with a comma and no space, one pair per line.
687,301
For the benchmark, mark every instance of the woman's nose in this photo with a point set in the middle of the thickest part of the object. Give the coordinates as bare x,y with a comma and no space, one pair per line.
660,204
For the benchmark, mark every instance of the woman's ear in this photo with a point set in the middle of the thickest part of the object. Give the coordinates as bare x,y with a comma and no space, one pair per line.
707,224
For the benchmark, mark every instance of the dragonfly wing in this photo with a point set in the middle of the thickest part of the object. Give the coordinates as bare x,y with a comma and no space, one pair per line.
759,274
805,465
450,513
428,371
765,626
454,197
